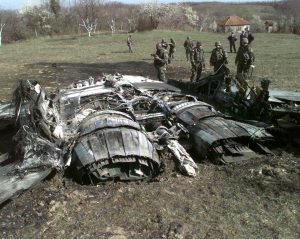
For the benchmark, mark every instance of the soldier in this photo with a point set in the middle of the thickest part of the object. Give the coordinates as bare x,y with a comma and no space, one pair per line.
164,44
250,37
160,61
172,49
218,59
129,43
232,39
188,45
197,60
244,60
243,35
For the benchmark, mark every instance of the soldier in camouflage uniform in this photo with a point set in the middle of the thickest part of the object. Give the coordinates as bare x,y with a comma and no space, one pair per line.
164,44
160,61
129,43
218,60
197,61
188,45
172,49
244,61
218,56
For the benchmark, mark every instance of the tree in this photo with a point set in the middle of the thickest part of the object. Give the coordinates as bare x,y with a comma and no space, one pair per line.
3,19
1,29
89,26
173,15
87,11
55,7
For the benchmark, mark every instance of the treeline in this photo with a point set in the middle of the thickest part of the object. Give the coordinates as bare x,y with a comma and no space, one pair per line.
289,19
91,16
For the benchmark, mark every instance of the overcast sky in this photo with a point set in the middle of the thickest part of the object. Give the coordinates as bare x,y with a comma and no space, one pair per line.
18,4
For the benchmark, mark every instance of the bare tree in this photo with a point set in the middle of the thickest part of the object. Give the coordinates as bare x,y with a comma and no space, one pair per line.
2,25
89,26
112,26
87,11
3,19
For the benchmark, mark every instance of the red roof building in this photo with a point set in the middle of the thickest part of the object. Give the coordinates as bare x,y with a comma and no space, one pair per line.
234,23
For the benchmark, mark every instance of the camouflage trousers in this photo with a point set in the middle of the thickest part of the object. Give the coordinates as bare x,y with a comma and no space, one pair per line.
242,85
196,72
188,53
130,48
161,72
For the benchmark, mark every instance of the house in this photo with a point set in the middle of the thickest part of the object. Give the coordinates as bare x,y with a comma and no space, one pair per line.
233,23
269,26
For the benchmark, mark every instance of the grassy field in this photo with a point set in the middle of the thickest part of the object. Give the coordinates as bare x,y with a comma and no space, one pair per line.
78,57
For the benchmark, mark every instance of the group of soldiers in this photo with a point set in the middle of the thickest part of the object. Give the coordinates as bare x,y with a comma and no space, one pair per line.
232,38
163,56
244,59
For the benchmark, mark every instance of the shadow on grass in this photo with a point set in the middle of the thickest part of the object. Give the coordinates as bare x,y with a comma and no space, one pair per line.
122,52
62,39
75,71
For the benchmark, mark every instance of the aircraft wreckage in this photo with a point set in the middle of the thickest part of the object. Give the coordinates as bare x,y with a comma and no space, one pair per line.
281,109
117,128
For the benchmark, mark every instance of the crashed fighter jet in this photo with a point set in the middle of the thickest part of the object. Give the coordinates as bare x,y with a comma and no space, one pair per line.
116,128
279,108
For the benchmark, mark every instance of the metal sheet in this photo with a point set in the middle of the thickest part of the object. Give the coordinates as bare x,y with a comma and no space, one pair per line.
131,143
109,122
84,153
143,144
285,95
114,142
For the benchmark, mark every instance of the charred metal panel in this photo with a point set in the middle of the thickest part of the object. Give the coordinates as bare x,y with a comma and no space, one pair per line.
84,152
114,140
212,133
115,149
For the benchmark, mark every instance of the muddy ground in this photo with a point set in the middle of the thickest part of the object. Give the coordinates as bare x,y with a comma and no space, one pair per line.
255,199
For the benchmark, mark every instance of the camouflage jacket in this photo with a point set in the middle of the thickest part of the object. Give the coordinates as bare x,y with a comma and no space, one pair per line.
218,57
172,45
129,41
232,38
163,58
188,45
197,56
245,56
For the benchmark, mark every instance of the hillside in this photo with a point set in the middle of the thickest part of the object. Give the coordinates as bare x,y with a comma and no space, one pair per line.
220,10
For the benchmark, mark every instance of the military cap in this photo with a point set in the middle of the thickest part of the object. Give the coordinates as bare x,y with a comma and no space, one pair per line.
199,43
217,43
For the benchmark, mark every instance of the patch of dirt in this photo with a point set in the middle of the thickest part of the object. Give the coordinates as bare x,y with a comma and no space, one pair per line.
254,199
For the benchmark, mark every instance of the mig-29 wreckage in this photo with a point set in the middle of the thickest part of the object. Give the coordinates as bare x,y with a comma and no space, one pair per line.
116,128
278,108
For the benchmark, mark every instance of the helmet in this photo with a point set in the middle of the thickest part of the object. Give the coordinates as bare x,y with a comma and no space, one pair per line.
217,43
245,41
188,37
198,43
